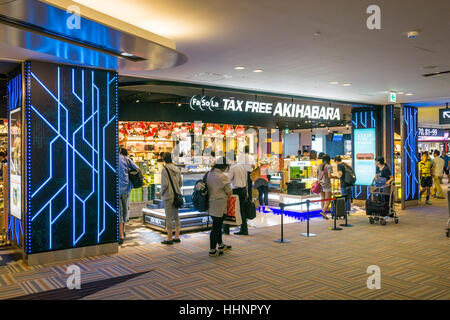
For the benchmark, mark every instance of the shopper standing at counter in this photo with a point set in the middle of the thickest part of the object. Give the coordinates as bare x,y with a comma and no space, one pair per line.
438,172
324,174
249,162
346,190
262,184
238,178
125,186
219,189
170,172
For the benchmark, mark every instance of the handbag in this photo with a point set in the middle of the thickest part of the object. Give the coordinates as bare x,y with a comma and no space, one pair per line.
316,188
250,209
178,201
135,175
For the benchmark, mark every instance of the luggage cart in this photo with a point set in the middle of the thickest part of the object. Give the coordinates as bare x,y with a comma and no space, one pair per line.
448,222
380,205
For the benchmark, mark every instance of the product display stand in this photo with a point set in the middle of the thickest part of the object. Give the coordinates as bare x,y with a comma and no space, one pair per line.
282,240
307,234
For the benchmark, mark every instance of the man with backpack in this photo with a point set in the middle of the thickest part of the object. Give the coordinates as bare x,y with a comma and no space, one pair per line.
125,185
347,176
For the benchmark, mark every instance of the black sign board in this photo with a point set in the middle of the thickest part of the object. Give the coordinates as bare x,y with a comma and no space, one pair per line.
444,116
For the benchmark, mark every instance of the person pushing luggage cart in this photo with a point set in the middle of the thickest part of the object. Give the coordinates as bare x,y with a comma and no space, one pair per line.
380,204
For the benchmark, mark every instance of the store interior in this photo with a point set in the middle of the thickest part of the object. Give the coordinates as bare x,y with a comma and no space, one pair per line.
5,69
291,179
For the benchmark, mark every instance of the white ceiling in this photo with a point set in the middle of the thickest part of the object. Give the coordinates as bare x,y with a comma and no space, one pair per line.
278,37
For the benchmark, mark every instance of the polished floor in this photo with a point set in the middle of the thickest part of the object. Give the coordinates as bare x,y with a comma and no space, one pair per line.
413,256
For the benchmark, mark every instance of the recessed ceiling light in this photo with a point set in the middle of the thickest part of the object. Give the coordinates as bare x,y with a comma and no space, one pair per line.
346,84
126,54
409,94
400,92
239,68
258,70
429,67
413,34
334,82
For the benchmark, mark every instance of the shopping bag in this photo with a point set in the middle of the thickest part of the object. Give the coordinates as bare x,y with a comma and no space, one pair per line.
255,174
255,197
316,187
233,216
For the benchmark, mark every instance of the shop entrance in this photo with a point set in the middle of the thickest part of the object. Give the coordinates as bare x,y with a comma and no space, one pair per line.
158,118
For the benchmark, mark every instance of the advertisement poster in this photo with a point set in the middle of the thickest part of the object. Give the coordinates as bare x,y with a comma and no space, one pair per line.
15,161
365,148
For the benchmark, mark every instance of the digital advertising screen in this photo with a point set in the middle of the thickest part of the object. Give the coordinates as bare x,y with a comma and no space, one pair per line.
364,156
15,185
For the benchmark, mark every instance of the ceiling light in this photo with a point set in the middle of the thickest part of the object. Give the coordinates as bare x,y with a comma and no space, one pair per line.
258,70
346,85
400,92
413,34
137,101
126,54
239,68
334,82
179,104
409,94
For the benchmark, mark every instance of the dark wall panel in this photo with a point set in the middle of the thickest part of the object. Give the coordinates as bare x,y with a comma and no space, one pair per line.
72,156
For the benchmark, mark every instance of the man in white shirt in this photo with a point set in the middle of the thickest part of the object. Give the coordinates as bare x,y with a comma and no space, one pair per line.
249,163
238,178
437,172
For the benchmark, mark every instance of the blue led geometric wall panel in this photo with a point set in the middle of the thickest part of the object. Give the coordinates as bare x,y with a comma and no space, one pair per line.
72,157
411,154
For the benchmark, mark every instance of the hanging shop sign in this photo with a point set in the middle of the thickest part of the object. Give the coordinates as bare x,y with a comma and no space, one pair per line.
278,109
444,116
433,134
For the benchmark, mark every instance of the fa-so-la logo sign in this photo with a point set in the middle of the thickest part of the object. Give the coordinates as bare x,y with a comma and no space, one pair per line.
278,109
204,102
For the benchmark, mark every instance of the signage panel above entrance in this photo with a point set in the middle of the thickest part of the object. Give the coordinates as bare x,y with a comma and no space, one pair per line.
277,109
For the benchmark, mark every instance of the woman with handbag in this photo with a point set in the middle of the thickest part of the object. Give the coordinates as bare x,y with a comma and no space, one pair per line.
324,175
262,185
219,188
171,183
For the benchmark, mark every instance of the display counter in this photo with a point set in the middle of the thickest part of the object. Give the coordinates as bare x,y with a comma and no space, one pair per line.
190,220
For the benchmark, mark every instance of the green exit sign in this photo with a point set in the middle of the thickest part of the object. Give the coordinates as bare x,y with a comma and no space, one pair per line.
392,97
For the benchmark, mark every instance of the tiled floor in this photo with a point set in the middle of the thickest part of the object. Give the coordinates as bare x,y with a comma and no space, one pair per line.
413,256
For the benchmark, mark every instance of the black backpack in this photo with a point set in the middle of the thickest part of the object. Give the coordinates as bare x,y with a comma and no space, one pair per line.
200,195
136,177
349,176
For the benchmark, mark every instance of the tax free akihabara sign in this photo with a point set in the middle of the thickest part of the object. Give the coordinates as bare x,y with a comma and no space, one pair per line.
279,109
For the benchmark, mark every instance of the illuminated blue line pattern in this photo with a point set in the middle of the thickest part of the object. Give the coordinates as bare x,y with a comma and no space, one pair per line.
72,196
410,148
